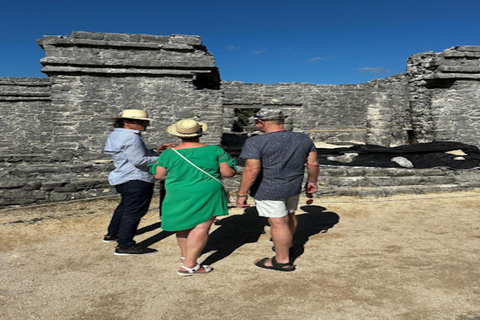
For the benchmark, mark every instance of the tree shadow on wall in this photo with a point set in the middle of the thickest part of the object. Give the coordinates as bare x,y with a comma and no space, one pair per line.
234,232
315,220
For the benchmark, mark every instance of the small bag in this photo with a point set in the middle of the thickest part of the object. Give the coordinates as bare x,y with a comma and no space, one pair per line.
230,199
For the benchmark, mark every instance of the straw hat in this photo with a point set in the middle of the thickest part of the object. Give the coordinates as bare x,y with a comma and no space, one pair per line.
133,114
187,128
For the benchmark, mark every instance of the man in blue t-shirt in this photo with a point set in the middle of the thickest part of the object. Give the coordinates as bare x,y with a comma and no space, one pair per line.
274,169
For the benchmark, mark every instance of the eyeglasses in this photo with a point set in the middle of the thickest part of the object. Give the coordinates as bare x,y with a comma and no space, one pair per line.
257,121
141,122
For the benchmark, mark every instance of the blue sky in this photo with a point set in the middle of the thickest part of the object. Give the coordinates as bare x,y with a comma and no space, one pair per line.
316,41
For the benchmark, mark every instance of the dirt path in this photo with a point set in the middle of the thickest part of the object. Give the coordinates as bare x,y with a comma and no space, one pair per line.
404,257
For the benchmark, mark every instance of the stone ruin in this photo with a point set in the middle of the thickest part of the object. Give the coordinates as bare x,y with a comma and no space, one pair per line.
54,129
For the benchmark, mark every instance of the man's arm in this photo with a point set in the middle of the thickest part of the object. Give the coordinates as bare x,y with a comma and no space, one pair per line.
135,151
312,171
250,174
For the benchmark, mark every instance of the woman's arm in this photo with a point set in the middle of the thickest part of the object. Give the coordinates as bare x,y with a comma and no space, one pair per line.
161,173
226,170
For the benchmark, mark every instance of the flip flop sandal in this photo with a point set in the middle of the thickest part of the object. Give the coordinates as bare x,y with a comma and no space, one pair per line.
291,253
188,272
275,265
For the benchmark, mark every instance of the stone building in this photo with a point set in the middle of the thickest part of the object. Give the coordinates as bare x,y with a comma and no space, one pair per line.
54,129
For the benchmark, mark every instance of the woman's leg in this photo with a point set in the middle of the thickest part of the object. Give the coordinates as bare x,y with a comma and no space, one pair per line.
196,240
182,241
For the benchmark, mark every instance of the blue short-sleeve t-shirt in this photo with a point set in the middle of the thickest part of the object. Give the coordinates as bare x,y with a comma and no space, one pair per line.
283,155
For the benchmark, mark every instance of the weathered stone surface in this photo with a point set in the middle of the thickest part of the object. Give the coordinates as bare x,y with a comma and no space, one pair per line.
402,161
12,184
53,129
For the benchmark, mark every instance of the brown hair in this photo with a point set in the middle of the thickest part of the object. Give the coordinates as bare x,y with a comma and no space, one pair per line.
118,123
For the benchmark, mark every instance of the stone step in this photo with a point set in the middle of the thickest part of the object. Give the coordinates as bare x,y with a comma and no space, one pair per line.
371,181
347,171
33,170
384,181
393,190
344,176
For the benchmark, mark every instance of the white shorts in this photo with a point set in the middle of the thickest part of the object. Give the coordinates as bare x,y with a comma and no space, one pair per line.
277,208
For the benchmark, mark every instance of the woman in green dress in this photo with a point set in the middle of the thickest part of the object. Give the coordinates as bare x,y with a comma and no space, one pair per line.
194,192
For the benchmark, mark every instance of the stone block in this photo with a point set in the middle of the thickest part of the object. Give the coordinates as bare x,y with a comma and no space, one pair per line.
32,185
50,185
56,197
12,184
88,35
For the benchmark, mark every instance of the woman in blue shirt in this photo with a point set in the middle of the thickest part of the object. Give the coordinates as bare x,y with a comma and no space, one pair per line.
130,178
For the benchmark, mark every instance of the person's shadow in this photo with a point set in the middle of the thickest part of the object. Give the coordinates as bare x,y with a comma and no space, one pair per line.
234,232
155,238
237,230
315,220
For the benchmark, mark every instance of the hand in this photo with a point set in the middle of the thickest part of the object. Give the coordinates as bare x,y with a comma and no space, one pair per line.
242,202
311,187
165,146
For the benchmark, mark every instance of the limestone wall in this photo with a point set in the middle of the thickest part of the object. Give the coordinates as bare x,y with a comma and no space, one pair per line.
26,124
376,112
52,130
95,76
444,95
55,128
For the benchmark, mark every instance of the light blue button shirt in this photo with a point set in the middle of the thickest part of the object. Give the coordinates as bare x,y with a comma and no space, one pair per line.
130,156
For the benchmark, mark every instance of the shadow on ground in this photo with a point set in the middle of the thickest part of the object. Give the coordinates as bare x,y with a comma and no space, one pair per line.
155,238
237,230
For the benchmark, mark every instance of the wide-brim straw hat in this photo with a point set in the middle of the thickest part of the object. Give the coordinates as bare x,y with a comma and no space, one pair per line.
187,128
133,114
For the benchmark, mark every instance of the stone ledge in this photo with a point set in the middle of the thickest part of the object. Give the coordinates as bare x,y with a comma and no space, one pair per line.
21,98
469,68
28,82
183,63
121,42
123,71
468,48
126,37
25,94
380,171
459,55
465,76
386,181
389,191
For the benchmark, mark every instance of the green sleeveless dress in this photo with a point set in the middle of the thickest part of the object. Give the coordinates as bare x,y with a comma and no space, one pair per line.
192,197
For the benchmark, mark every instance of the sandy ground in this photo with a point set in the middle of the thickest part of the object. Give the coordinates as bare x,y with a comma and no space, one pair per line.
403,257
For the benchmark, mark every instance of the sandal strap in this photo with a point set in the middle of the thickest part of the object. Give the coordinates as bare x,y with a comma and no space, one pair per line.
281,265
191,270
207,268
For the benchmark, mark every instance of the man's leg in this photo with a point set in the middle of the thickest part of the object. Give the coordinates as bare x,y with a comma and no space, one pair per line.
292,205
281,231
136,197
114,226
